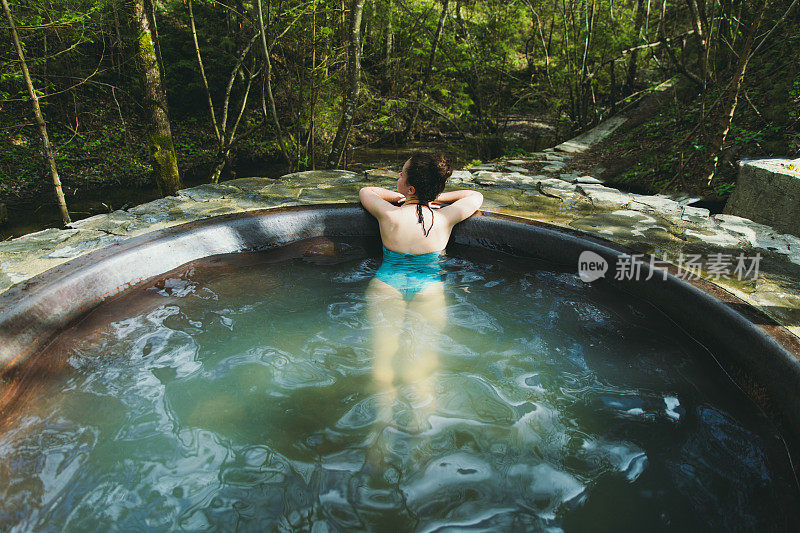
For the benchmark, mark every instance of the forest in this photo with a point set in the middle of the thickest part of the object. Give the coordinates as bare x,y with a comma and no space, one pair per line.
109,97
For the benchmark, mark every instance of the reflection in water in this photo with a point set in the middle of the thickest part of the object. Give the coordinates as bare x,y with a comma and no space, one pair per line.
405,345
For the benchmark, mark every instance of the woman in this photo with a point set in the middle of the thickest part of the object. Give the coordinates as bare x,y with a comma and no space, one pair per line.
407,289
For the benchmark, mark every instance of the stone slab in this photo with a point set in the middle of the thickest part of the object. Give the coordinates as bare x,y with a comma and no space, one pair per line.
251,184
659,204
554,166
623,225
757,235
713,236
36,242
461,176
322,176
209,191
90,240
555,183
601,196
581,143
117,223
695,214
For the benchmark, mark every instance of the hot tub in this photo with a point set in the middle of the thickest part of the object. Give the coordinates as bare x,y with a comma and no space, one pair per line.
528,431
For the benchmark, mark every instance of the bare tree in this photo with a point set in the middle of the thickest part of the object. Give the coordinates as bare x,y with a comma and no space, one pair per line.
701,29
637,28
428,69
273,112
719,135
48,152
203,72
388,41
225,137
353,79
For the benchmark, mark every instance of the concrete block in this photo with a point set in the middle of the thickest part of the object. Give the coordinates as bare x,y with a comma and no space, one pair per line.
768,192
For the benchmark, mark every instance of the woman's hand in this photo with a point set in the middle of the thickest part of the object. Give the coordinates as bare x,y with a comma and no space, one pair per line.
378,200
384,194
463,204
454,196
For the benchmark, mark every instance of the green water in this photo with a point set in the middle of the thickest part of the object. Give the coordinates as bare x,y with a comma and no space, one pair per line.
237,394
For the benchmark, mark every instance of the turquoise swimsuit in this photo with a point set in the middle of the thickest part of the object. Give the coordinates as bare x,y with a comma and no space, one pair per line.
409,273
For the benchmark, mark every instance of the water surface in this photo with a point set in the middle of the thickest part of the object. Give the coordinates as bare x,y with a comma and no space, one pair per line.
237,393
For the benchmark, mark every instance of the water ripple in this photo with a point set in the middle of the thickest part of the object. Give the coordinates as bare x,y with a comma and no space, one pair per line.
242,399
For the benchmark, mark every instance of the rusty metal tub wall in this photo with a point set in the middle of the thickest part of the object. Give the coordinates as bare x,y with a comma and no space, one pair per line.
758,353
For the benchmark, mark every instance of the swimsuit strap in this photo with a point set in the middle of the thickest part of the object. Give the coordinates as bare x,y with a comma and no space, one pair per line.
422,220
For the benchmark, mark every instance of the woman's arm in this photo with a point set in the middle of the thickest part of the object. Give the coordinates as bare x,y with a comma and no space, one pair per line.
452,196
464,204
378,200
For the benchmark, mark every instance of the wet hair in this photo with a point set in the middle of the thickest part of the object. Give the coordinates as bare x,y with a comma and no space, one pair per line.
428,174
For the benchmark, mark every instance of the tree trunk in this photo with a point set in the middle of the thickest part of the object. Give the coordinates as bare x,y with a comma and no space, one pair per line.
637,25
365,30
203,76
273,112
313,82
545,44
702,41
584,87
162,151
461,34
353,77
612,72
342,21
118,46
721,133
156,40
48,153
224,139
389,42
426,76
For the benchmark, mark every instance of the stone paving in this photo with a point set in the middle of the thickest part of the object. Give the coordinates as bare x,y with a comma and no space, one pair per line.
535,187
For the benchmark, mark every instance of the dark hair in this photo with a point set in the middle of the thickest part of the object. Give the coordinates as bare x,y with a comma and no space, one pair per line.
428,174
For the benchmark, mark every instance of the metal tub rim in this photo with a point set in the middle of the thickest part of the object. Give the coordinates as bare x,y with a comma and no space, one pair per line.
749,345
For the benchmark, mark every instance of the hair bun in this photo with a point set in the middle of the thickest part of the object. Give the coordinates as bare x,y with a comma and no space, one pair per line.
444,165
428,174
